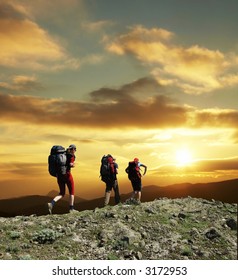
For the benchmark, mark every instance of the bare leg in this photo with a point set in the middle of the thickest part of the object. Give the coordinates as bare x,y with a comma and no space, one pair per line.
58,197
71,200
107,198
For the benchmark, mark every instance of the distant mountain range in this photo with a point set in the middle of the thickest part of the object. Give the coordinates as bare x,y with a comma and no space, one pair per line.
225,191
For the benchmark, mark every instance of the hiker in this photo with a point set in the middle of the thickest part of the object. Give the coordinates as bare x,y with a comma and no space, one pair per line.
134,175
108,173
65,178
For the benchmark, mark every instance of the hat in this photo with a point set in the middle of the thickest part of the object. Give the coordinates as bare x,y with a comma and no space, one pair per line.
136,159
72,146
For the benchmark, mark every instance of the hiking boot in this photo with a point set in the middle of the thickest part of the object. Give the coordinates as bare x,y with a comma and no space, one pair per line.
73,211
50,207
137,202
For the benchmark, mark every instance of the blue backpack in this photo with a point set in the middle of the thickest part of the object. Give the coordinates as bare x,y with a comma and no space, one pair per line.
57,161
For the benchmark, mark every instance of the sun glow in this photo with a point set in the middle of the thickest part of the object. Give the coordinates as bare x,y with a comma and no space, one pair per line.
183,157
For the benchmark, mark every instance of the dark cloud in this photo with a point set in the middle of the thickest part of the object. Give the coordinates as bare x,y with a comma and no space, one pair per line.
216,118
140,88
122,107
139,104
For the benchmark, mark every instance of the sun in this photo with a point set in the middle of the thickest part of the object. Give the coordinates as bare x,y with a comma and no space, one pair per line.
183,157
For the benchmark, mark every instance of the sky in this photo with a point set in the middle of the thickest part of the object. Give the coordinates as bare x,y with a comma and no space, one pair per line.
153,79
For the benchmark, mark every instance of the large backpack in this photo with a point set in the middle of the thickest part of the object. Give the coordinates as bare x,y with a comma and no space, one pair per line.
133,171
57,161
107,173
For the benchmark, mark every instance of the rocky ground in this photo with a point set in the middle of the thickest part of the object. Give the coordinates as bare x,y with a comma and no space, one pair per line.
186,228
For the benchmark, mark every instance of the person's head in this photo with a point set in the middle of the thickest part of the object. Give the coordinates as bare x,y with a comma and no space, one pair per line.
72,148
136,160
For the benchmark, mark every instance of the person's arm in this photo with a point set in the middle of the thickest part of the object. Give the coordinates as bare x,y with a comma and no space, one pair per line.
72,160
116,167
145,168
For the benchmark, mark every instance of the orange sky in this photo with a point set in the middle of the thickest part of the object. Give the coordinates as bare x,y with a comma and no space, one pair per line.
145,85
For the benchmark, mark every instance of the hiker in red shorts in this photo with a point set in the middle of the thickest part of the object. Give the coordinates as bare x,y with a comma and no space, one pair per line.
66,179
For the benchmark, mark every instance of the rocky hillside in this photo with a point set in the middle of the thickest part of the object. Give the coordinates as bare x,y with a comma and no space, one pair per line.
187,228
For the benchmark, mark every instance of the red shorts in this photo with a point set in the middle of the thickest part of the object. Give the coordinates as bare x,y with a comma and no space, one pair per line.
64,180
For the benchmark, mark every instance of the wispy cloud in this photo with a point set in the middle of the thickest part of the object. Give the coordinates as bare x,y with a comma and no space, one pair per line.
201,170
195,69
23,169
217,164
21,83
96,26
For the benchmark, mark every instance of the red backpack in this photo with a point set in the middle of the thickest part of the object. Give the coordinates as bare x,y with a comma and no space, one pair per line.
133,171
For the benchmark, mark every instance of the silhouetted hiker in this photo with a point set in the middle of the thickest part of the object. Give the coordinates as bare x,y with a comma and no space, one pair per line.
108,173
134,175
64,177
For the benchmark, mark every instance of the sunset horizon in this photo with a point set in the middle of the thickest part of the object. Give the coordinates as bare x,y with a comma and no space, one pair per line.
156,80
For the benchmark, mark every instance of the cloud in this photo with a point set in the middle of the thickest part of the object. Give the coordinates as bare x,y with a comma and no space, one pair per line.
21,83
139,104
217,165
23,169
206,169
96,26
195,69
108,107
25,44
215,117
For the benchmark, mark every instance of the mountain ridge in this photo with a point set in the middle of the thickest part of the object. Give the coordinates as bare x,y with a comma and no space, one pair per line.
225,191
